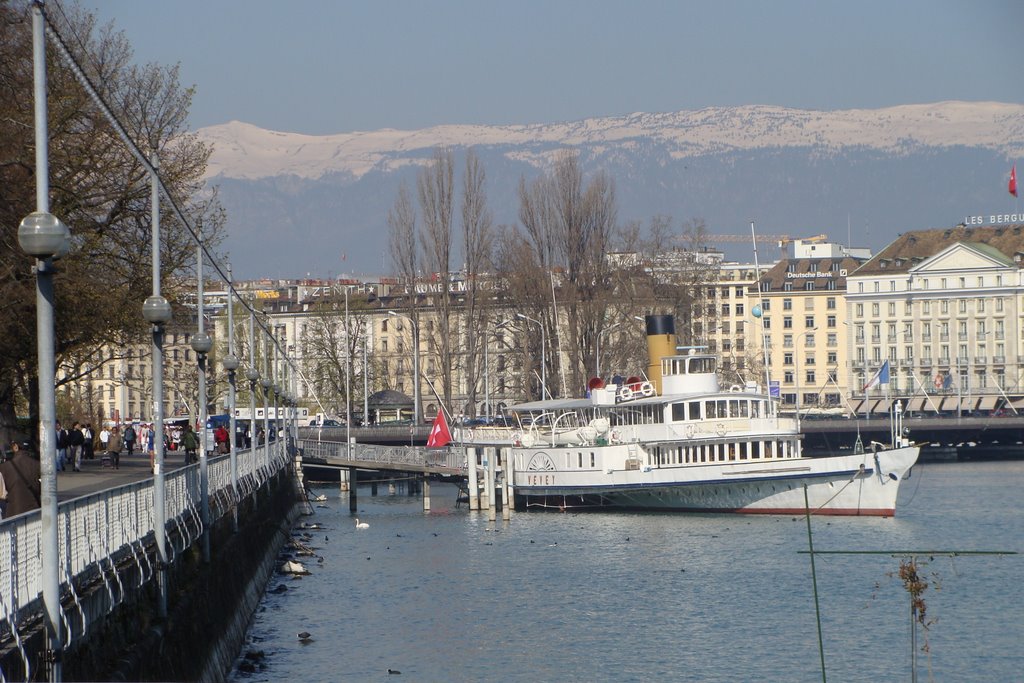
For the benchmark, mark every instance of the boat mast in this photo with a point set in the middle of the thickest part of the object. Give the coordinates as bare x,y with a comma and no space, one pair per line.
764,341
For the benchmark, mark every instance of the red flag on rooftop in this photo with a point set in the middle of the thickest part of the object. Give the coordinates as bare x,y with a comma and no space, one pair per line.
1013,181
439,434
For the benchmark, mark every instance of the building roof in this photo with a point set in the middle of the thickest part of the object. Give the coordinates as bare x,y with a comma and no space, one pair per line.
909,249
388,398
819,271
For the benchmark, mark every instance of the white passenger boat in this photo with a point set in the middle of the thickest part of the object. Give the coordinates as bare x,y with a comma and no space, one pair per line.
680,442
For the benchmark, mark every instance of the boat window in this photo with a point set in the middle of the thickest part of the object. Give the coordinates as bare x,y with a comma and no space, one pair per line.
744,451
678,412
580,460
734,408
694,410
723,410
711,410
592,460
755,409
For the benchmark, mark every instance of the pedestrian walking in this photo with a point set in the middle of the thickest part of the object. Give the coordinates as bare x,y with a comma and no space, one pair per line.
87,445
75,441
21,480
129,440
105,440
190,443
62,447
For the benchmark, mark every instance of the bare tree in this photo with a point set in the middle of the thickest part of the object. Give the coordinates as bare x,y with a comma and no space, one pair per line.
435,184
477,243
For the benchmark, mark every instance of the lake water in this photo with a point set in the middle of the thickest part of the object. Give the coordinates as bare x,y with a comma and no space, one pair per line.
449,596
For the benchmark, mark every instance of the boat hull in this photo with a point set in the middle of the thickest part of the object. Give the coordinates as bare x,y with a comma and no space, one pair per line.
859,485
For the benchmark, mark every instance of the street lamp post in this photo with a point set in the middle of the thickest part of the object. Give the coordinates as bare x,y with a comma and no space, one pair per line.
43,236
230,363
157,312
415,365
597,362
201,344
543,354
266,383
487,375
797,377
253,375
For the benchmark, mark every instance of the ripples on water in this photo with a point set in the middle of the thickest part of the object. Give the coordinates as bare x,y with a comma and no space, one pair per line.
632,597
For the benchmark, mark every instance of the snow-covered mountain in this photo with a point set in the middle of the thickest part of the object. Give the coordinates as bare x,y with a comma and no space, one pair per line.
303,204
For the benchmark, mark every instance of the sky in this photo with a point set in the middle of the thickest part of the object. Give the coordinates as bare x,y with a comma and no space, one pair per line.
322,66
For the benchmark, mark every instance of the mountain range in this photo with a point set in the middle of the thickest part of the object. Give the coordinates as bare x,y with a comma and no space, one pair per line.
301,205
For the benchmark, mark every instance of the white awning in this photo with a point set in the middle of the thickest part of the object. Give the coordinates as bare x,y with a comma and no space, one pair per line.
988,402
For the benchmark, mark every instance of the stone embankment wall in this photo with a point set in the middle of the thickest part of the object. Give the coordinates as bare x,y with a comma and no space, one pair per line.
209,605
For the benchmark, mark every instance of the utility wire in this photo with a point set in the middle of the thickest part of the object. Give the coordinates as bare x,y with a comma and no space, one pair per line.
105,109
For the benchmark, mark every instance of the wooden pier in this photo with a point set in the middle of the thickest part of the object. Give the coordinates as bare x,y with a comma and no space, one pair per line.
487,480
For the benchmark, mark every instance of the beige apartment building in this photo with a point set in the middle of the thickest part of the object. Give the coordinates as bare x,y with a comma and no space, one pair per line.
944,307
804,318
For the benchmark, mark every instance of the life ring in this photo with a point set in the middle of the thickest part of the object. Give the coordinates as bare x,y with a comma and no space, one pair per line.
720,428
625,394
647,389
517,439
735,388
614,436
938,381
689,431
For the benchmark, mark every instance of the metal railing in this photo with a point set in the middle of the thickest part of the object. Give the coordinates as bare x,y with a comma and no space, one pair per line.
98,530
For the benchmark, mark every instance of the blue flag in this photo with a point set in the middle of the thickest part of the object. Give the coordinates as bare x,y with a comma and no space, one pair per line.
880,377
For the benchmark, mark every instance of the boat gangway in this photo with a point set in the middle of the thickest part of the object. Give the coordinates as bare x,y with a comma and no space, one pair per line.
486,480
364,456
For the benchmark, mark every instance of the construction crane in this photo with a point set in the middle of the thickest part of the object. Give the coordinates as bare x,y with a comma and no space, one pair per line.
780,239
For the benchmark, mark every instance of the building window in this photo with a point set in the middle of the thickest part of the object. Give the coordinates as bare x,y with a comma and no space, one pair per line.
833,358
874,310
830,303
810,377
892,308
787,358
787,304
859,310
787,322
808,321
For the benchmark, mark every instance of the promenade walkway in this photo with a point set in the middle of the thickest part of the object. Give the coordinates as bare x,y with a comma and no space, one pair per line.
94,477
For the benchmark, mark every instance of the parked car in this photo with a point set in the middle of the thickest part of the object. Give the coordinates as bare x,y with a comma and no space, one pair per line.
326,423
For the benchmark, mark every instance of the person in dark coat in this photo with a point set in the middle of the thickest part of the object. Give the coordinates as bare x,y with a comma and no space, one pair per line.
21,479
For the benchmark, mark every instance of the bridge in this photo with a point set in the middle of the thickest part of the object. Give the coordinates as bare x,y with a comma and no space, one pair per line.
487,472
944,438
108,550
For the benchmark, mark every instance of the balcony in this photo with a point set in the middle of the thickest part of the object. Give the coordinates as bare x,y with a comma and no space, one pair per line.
999,360
876,339
1000,334
944,337
962,336
980,360
926,361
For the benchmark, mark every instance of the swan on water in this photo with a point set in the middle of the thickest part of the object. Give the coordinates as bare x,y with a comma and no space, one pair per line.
361,525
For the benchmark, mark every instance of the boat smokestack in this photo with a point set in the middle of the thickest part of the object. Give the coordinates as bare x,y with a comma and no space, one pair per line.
661,342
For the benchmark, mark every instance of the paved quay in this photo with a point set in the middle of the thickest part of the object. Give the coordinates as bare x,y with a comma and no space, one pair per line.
95,477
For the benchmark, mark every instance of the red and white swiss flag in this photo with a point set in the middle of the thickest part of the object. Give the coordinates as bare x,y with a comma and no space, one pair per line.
439,434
